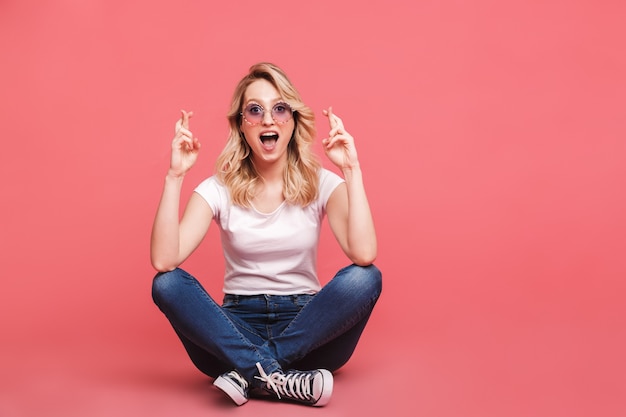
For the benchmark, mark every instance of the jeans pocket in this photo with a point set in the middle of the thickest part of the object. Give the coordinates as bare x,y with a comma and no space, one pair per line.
301,300
230,300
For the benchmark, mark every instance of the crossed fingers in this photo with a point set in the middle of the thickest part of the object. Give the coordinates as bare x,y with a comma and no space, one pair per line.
336,124
182,130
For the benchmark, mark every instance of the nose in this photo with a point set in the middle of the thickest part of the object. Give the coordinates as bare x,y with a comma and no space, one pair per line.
267,118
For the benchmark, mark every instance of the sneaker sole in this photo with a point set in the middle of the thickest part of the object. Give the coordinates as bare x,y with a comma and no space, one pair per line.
232,391
327,390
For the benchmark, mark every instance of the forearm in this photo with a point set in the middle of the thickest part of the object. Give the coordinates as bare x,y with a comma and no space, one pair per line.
361,234
165,240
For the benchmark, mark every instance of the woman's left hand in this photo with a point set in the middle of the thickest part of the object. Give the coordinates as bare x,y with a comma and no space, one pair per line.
339,145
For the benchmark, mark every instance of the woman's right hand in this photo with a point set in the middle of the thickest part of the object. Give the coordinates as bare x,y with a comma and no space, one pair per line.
185,147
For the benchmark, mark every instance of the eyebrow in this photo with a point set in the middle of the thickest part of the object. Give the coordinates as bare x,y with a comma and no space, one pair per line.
273,101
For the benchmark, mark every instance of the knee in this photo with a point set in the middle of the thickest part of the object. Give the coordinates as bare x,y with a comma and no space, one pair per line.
367,279
374,278
165,284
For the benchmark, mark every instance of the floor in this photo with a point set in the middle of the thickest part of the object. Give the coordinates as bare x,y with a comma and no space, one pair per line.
458,368
151,376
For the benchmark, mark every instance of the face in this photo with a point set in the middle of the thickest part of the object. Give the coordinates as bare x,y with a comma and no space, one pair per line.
268,138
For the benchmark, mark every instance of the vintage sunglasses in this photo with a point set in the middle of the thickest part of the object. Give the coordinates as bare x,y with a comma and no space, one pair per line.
254,113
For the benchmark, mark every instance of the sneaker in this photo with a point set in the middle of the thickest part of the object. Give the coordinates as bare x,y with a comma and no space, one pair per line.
233,384
308,387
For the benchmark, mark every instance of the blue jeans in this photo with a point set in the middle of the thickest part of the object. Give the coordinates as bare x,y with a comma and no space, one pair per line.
298,331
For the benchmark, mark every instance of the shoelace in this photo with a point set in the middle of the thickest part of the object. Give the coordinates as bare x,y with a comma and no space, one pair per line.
292,385
237,376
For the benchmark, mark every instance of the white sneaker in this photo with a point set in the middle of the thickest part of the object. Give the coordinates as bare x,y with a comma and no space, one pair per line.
233,384
308,387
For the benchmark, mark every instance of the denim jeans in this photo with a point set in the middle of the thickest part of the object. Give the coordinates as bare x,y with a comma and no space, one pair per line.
298,331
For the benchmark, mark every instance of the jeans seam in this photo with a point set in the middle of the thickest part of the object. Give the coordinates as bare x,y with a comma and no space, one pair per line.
229,320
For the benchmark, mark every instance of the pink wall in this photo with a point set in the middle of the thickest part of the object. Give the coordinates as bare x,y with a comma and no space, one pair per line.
492,135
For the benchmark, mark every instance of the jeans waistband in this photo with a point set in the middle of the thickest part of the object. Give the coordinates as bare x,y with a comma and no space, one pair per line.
268,297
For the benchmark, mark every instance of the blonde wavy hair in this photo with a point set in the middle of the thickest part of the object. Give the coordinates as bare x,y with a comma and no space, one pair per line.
234,166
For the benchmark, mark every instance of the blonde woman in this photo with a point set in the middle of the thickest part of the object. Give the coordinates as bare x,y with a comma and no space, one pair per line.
277,330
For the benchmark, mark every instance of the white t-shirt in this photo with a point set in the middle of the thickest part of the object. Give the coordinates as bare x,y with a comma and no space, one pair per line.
269,253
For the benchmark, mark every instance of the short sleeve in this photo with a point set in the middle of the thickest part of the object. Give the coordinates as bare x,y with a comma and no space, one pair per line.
214,193
328,182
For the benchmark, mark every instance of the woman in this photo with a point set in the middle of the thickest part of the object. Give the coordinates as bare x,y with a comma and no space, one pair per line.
277,330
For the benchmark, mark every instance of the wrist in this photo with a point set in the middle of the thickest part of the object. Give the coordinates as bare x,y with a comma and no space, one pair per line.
174,175
349,171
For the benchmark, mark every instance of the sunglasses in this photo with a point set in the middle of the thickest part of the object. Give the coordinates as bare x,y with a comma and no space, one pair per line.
254,113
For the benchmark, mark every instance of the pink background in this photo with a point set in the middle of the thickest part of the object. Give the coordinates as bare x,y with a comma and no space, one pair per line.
493,138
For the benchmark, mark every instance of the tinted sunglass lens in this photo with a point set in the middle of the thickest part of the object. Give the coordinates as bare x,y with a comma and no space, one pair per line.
281,112
253,113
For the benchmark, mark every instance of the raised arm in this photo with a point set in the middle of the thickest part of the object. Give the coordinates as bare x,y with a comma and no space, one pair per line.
174,239
348,210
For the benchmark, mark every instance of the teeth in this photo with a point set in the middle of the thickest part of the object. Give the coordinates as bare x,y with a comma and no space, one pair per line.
268,134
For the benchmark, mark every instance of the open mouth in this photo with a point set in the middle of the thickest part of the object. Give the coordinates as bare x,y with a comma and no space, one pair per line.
269,138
